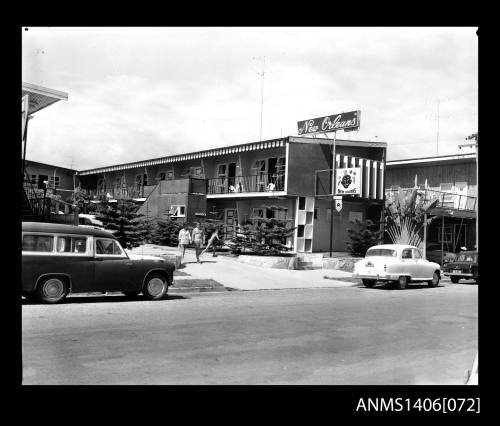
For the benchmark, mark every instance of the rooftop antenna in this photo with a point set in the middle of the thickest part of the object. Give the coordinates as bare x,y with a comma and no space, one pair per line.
262,73
437,136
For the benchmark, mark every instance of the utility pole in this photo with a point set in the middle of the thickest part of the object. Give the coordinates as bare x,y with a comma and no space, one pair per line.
475,136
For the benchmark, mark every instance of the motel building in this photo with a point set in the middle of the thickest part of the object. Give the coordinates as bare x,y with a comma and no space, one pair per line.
452,179
285,178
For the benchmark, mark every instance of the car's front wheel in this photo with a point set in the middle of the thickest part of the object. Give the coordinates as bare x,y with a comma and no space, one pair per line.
454,280
402,282
52,290
435,280
155,288
368,283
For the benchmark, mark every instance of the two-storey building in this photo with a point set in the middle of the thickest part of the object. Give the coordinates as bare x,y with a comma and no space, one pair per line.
453,180
287,178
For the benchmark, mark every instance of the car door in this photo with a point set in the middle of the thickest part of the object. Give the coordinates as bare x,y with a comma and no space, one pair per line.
408,262
113,270
422,267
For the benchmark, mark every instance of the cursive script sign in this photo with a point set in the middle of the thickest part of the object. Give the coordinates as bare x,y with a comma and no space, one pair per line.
330,123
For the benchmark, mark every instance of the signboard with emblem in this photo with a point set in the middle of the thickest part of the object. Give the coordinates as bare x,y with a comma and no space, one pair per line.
338,202
348,181
347,121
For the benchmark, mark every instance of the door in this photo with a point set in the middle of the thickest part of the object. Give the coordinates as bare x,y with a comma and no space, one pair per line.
113,270
423,269
41,180
410,267
231,174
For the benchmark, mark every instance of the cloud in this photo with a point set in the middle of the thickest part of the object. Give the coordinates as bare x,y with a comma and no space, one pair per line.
138,93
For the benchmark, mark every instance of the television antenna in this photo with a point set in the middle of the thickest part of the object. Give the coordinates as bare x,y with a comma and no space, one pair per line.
262,74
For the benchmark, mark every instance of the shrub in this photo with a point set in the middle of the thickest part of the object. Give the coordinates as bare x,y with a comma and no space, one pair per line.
361,239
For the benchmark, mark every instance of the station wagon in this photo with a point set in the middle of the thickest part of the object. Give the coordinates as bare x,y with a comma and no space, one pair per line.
61,259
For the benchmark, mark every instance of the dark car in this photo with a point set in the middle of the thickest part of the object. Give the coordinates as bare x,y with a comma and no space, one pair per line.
62,259
464,267
434,253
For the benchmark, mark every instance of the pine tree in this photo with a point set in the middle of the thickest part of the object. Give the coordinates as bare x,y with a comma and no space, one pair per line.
166,231
119,219
263,236
362,238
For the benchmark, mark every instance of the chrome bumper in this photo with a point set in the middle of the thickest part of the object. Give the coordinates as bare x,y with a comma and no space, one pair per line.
461,274
378,277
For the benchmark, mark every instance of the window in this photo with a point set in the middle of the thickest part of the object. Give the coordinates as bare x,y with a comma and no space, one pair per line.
107,247
42,243
118,182
381,252
406,254
259,167
54,181
161,176
178,211
71,244
101,184
302,203
34,178
300,231
198,171
316,213
258,212
170,175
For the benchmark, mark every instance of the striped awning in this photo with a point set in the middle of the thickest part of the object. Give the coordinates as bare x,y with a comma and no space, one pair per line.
253,146
41,97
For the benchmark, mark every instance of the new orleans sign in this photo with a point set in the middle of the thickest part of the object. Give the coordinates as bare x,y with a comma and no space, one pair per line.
347,121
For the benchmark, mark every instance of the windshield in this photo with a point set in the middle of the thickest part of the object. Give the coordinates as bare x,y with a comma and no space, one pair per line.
467,257
381,252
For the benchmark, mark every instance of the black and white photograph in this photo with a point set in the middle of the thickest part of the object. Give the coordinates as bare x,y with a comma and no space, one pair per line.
255,206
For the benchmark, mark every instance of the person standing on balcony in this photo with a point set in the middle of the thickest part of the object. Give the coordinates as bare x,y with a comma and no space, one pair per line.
198,236
184,240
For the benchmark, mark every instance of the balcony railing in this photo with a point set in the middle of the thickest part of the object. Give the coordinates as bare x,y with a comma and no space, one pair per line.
447,200
34,198
245,184
118,193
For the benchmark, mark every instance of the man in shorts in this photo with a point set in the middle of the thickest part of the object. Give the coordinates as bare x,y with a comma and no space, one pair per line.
184,240
198,236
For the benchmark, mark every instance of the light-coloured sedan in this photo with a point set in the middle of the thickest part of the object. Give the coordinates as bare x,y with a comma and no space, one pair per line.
402,264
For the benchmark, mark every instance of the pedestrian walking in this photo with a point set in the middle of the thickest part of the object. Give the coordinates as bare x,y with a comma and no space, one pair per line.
211,243
198,236
184,240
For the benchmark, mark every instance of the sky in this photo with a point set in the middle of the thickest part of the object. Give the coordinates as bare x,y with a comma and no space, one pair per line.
136,93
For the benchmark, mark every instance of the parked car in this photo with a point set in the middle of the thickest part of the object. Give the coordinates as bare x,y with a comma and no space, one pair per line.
61,259
89,221
400,264
464,267
434,253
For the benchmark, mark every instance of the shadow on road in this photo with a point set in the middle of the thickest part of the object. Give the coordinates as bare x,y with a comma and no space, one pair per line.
103,299
389,286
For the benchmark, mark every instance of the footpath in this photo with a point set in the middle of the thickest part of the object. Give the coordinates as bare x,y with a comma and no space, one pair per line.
226,273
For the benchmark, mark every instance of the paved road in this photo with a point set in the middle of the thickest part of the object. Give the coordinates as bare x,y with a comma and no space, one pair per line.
334,336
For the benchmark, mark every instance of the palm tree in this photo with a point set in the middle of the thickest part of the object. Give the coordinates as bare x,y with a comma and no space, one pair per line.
406,215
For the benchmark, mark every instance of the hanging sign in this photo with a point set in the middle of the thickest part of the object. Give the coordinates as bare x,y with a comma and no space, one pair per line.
347,121
348,181
338,202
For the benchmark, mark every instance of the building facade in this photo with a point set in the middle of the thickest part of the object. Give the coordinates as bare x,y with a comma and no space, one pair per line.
453,180
288,178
